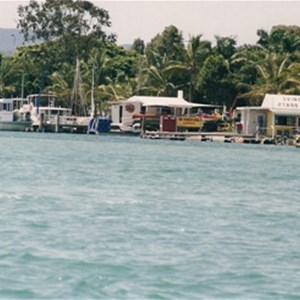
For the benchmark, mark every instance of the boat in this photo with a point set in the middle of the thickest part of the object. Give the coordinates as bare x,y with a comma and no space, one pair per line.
297,139
13,117
46,116
96,124
99,125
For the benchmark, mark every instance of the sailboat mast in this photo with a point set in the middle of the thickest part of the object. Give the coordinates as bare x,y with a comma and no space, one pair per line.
92,93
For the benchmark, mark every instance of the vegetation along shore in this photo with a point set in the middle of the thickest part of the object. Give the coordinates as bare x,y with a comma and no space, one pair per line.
212,72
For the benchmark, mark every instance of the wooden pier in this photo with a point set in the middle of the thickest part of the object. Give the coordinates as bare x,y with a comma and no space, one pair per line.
226,137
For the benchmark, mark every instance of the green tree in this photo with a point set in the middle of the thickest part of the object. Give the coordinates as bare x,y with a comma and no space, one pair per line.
244,70
7,77
216,81
281,39
35,63
161,78
196,53
225,46
62,84
293,79
185,73
168,44
75,24
273,73
138,46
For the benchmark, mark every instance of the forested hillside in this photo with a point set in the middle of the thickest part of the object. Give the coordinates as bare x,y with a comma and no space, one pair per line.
9,40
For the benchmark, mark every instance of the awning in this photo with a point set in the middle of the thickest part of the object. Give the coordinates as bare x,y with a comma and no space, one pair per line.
286,112
252,108
206,105
161,101
174,102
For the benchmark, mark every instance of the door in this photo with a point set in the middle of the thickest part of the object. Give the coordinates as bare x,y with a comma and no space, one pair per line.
120,113
261,123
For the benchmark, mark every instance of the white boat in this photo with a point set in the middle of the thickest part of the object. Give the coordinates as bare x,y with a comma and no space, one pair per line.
12,115
297,140
48,117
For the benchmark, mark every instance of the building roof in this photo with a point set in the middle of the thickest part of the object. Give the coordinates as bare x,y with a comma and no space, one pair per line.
285,112
251,108
176,102
278,104
282,102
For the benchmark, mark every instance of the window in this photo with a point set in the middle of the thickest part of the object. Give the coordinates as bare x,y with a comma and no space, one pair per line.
166,110
285,120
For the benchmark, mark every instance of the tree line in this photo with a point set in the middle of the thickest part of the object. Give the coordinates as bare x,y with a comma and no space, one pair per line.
214,73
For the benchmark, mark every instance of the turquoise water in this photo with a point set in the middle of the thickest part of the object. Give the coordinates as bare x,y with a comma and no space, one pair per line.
115,217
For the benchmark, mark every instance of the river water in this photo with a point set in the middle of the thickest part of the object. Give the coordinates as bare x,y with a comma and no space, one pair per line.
118,217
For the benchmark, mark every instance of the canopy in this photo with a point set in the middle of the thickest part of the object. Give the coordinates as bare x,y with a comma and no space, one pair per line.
285,112
161,101
175,102
245,108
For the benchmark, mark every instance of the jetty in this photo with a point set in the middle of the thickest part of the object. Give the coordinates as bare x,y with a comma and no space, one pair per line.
226,137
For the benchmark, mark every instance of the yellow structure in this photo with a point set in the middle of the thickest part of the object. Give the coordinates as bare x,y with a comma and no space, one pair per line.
279,115
190,122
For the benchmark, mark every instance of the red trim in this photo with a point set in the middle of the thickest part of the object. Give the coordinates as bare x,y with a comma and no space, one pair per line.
145,116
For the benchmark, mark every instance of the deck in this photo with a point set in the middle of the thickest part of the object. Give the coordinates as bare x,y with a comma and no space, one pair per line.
227,137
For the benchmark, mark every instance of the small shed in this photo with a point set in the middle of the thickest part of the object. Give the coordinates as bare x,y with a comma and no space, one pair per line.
278,115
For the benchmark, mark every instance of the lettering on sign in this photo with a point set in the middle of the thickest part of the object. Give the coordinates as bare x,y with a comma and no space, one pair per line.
188,122
289,102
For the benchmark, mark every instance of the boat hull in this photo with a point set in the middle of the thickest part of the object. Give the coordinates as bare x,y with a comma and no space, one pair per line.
15,126
61,128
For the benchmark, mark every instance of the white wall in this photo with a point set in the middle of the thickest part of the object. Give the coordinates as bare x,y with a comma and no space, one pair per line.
249,119
127,114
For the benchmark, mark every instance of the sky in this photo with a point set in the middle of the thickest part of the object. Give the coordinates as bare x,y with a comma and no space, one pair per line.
145,19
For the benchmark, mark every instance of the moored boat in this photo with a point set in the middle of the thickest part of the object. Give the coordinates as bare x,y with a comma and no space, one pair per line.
13,117
48,117
297,140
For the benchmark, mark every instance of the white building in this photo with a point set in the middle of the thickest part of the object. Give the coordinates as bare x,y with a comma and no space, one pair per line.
124,112
278,115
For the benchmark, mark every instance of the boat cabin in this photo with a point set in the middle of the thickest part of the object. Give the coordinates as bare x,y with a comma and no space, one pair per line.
46,115
11,109
39,100
11,104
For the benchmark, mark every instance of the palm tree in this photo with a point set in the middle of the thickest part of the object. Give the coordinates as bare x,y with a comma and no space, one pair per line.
293,80
196,53
62,84
273,73
160,79
6,74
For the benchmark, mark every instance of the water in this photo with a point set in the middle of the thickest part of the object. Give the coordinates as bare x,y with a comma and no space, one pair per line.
115,217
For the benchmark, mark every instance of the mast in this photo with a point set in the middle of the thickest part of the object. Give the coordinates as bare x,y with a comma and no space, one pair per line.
92,93
22,86
78,106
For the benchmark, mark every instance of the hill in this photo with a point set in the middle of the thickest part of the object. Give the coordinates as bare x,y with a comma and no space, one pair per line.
10,39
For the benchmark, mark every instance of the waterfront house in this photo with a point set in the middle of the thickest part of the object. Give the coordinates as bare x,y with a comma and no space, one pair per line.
279,115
